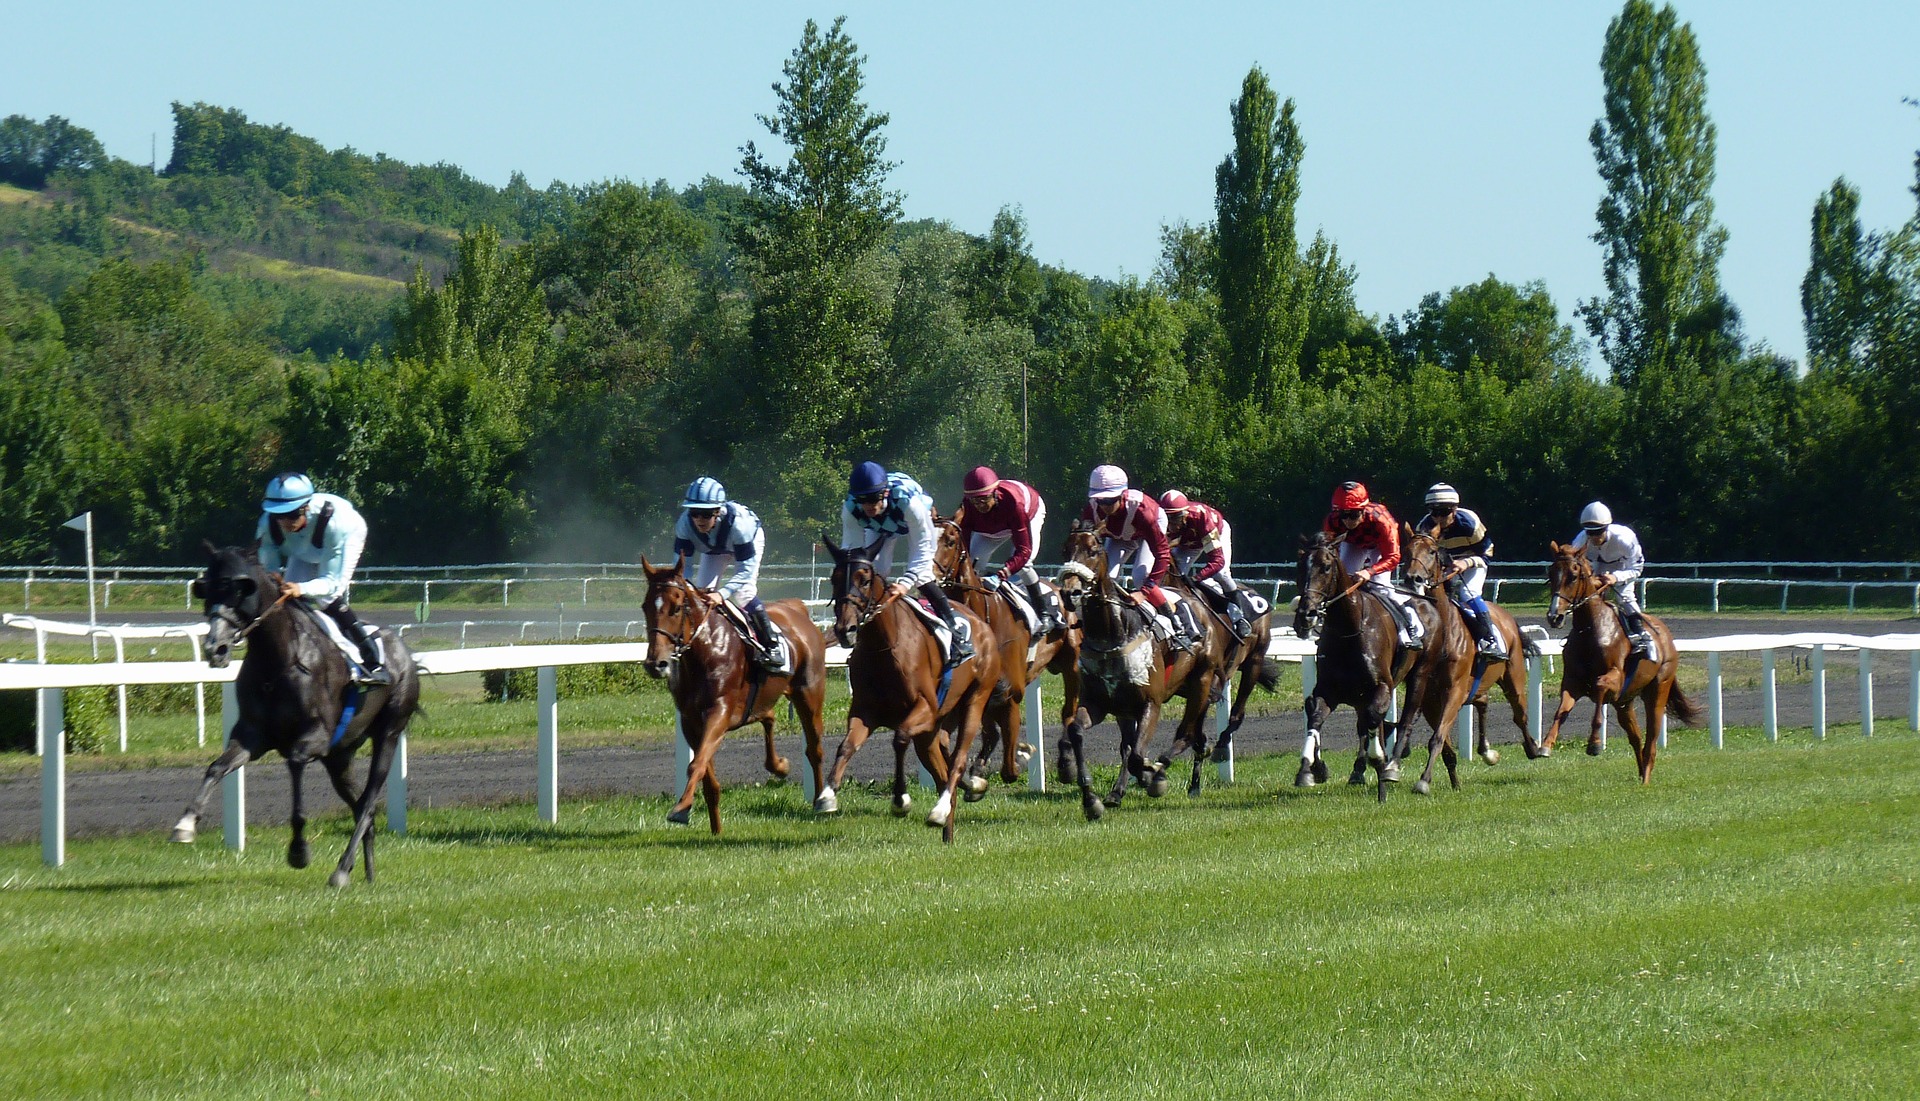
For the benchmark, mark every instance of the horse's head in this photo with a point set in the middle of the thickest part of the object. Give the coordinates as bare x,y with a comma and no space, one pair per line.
1085,568
1570,582
952,565
231,596
675,610
1319,581
1427,562
859,590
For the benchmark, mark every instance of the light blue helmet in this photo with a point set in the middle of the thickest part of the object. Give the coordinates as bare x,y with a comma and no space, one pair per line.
705,493
287,493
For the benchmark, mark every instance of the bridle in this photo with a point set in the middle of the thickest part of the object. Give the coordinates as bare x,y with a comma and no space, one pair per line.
682,640
1556,596
229,615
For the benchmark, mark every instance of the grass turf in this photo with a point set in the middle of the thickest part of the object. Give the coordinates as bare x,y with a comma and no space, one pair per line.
1746,927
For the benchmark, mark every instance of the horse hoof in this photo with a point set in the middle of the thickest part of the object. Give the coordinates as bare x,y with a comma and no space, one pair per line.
827,803
299,856
1024,754
679,817
973,794
780,768
1111,800
941,816
901,804
339,879
1544,752
1421,787
181,835
1222,751
1320,772
976,787
1093,810
1157,786
1359,776
1305,777
1593,749
1491,756
1390,772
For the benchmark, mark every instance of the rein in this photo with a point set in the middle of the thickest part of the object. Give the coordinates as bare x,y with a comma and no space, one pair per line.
246,630
683,640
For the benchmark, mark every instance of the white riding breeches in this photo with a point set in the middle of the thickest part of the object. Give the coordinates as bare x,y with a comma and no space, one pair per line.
1134,555
1471,583
983,547
1625,596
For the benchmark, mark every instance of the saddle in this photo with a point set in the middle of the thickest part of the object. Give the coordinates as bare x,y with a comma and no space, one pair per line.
1021,605
782,651
349,649
938,627
1402,617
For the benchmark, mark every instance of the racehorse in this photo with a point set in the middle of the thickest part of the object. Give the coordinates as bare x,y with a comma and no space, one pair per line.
1058,652
1249,658
715,685
1358,662
1129,673
1453,663
293,691
899,682
1599,662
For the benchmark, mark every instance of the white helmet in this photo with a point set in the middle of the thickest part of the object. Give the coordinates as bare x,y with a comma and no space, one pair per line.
288,492
1440,493
1595,515
1106,481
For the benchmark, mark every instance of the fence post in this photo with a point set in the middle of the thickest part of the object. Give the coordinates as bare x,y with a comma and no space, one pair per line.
1716,595
1463,731
233,787
1769,702
548,749
1866,692
1715,717
52,723
1536,688
1818,662
200,712
1220,710
120,657
1037,737
397,788
1913,690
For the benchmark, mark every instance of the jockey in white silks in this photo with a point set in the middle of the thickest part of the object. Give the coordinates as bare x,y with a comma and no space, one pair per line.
313,541
1613,550
884,508
728,539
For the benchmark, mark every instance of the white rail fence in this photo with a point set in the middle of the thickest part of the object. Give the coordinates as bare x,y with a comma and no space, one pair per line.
51,681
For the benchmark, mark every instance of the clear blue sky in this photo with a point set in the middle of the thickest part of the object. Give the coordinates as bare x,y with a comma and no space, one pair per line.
1444,141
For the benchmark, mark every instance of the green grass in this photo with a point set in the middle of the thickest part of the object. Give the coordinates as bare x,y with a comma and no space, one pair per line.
1744,928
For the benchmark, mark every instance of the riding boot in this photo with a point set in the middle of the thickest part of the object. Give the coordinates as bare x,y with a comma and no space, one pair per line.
1481,625
1189,626
962,637
1637,631
1237,618
373,671
1416,633
1048,603
769,655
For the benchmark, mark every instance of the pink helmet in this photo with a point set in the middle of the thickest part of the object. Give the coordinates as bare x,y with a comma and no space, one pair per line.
1107,481
1174,501
979,482
1348,495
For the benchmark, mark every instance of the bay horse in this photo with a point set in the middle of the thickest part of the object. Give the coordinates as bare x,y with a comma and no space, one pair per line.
292,691
1248,658
1453,663
1128,672
1058,652
715,685
1599,662
1358,662
900,683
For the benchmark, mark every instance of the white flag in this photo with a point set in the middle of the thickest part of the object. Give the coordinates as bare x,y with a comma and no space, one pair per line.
78,523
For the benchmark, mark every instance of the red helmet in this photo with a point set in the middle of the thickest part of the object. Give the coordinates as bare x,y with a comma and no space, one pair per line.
1174,501
979,482
1348,495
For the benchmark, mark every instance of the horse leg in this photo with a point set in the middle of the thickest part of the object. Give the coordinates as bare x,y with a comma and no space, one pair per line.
1313,769
1601,697
808,704
700,772
240,749
1516,702
776,764
384,743
298,854
1552,736
1010,727
968,729
1642,744
1655,701
1069,707
1073,740
826,802
1129,756
901,800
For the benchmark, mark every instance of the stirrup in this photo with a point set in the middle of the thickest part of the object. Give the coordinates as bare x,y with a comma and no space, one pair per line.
377,677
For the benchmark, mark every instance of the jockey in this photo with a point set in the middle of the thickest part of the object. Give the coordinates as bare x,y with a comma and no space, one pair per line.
1370,550
882,507
1202,545
313,541
999,510
1134,531
1613,550
1464,537
724,532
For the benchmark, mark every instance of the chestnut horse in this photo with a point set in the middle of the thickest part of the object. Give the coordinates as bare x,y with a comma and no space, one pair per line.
1452,665
1600,663
1058,652
1128,672
897,676
1249,658
292,690
716,687
1358,662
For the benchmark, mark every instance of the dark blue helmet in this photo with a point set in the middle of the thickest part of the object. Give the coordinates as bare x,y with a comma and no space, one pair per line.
868,478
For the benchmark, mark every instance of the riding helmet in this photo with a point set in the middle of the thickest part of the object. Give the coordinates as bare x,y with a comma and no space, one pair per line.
979,482
1596,515
1174,501
705,493
1348,495
1106,481
288,492
1440,493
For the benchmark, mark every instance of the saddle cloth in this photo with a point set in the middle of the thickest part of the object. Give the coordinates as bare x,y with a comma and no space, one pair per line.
938,626
1021,605
349,649
783,652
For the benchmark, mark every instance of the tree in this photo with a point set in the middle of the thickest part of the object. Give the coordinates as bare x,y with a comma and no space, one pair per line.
1843,292
30,151
1655,148
1515,332
1262,307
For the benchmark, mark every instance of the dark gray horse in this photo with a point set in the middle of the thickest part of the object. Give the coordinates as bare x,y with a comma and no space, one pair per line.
293,690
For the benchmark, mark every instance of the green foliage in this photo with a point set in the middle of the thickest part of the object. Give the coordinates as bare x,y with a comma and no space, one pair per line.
615,678
31,152
1515,332
90,715
1263,291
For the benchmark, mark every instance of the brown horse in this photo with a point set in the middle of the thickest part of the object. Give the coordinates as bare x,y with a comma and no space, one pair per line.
1600,663
1358,662
1452,664
1058,652
1249,658
1130,673
714,684
896,673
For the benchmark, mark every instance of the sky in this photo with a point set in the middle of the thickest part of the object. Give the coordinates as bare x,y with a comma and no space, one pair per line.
1444,142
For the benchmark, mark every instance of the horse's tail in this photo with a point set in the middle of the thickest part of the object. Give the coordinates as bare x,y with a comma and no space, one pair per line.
1681,707
1529,646
1002,693
1269,677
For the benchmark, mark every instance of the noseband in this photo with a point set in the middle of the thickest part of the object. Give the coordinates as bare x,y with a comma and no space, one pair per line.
682,640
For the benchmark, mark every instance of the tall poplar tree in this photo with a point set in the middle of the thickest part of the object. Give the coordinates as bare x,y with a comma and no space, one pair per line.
1655,148
1263,307
1837,296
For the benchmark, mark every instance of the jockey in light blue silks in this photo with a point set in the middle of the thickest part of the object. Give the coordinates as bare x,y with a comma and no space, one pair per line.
726,533
313,541
1461,533
882,508
1613,550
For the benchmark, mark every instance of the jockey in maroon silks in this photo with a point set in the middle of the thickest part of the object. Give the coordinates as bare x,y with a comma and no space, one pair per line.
999,511
1202,543
1370,550
1134,533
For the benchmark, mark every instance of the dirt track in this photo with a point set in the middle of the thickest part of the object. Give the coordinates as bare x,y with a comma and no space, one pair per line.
143,801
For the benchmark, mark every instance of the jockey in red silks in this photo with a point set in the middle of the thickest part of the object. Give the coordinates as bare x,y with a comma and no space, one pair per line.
1370,551
999,511
1202,543
1134,533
